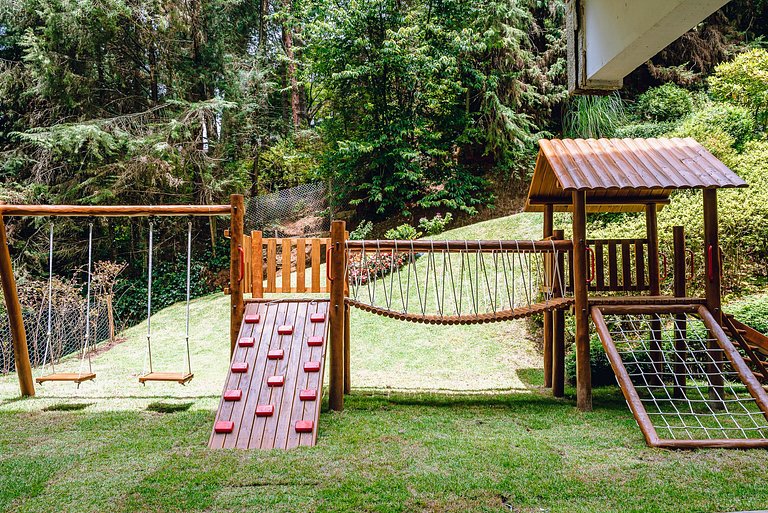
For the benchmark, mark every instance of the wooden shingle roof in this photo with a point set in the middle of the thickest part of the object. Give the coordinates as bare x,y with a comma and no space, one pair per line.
622,175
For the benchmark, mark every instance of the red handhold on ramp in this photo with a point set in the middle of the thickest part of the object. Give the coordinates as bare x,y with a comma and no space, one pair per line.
224,426
265,410
252,318
275,381
233,395
317,317
311,366
240,367
304,426
308,395
246,342
285,329
315,341
276,354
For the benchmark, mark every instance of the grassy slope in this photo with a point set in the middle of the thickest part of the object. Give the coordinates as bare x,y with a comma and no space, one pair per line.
389,451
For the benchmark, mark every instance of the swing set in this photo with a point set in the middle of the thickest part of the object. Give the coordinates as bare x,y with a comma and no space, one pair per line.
51,362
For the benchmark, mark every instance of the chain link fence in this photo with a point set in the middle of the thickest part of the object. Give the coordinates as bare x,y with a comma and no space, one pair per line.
302,211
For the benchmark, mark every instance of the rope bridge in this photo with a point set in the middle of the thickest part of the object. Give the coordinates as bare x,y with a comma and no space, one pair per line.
456,282
682,377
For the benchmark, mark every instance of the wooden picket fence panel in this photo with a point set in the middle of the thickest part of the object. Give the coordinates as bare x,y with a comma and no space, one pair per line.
273,255
620,265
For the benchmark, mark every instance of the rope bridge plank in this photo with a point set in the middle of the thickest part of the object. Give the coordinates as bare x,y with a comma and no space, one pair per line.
682,377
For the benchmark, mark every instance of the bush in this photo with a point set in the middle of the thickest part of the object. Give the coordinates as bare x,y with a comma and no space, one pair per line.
602,373
362,232
752,311
645,130
668,102
435,225
744,82
737,122
402,232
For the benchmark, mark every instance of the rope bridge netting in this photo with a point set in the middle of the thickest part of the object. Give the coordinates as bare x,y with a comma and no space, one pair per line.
455,282
685,378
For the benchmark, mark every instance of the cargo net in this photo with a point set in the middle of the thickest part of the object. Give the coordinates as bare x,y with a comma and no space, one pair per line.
302,211
444,283
689,389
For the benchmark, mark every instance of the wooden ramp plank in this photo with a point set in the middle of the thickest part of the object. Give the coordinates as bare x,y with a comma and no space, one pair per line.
251,431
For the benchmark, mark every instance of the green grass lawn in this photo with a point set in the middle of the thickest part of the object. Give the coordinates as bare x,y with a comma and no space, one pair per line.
441,419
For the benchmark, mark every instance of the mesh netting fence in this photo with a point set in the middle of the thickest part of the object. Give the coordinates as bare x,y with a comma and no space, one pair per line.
688,387
302,211
67,332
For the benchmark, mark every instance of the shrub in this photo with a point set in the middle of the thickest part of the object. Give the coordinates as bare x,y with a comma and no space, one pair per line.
602,373
668,102
594,116
435,225
362,232
752,311
737,122
645,130
402,232
744,82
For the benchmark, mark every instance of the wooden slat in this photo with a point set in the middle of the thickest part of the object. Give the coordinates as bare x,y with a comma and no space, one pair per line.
74,377
626,266
286,265
248,253
301,264
316,258
257,264
311,411
599,265
613,263
177,377
639,265
271,265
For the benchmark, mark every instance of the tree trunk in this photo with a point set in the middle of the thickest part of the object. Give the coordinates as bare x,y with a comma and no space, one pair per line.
290,68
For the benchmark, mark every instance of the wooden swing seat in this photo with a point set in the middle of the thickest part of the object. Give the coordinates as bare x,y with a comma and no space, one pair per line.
66,376
182,378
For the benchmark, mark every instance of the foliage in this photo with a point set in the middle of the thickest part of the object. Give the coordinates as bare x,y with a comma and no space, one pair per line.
602,373
403,232
744,82
594,116
752,311
736,122
644,130
665,103
436,225
362,231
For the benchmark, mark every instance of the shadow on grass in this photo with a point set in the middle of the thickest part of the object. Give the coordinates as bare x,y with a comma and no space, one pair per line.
161,407
67,407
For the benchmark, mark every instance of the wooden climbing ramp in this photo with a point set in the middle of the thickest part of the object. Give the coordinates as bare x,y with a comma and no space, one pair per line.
685,381
273,391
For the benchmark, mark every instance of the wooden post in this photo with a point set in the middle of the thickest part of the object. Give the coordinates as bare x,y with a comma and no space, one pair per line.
548,265
236,268
558,327
336,315
712,285
681,329
652,234
15,318
583,370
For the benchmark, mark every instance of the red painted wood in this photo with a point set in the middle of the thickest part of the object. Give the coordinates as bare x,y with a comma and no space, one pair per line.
240,367
233,395
246,342
304,426
311,366
315,341
308,395
276,354
265,410
275,381
317,317
285,329
253,318
224,426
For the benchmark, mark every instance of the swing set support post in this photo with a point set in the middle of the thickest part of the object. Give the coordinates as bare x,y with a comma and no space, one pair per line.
236,268
16,321
336,314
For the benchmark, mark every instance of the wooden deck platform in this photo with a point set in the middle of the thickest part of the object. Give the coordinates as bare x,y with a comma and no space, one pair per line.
275,402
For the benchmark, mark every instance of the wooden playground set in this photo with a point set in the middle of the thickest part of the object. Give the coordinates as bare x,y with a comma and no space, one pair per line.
691,375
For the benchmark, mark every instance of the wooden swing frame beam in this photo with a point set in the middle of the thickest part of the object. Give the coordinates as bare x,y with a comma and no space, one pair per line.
235,210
